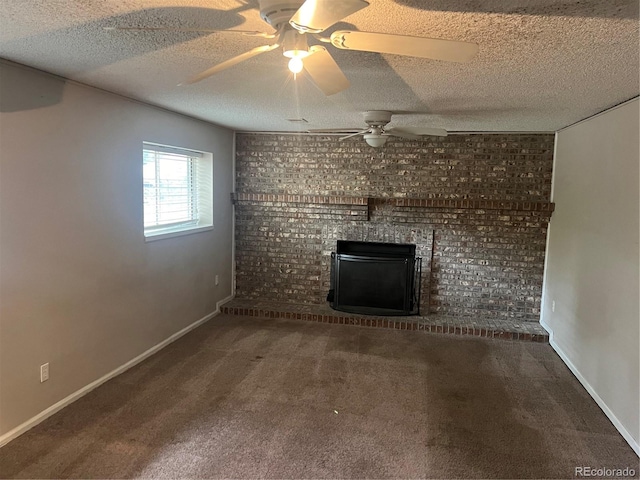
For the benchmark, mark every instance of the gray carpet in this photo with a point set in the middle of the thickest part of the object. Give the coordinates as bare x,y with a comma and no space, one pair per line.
242,397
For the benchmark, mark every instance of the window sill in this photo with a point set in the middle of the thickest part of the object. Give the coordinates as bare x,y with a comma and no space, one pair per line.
169,233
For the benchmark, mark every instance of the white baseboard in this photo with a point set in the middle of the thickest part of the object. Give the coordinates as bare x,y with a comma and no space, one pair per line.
32,422
607,411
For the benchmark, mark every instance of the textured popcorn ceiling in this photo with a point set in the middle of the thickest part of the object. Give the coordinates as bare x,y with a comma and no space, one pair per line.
542,65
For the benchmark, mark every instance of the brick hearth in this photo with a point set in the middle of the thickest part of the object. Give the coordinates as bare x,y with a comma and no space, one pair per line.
479,327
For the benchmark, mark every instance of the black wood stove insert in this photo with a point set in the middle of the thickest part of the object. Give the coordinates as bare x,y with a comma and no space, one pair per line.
375,278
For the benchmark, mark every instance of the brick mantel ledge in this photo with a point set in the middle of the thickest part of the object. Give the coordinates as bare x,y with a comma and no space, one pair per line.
287,198
471,204
396,201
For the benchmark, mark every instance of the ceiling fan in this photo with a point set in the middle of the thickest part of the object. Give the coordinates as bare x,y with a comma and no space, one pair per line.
377,133
295,21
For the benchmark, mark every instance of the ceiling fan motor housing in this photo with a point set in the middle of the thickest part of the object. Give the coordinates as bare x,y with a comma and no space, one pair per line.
377,117
278,12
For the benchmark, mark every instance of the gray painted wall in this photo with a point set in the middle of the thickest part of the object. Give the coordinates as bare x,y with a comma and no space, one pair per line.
79,287
592,260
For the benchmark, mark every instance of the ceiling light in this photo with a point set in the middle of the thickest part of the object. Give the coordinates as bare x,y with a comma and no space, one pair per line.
375,140
295,65
294,44
295,47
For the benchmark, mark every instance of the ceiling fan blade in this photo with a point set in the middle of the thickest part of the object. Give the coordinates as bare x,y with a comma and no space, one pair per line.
314,16
249,33
230,63
434,48
396,133
324,71
354,134
333,130
416,132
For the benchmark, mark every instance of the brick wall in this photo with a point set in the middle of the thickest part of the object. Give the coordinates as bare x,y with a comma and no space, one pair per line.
476,206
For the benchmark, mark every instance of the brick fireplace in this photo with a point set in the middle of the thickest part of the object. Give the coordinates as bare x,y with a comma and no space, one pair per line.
476,207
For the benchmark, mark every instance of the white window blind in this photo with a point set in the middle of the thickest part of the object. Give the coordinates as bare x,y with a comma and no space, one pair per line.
173,188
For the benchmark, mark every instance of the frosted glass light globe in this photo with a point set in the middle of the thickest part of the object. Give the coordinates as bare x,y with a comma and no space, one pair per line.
295,65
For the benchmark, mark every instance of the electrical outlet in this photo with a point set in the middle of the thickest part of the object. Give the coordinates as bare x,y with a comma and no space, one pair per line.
44,372
553,306
217,280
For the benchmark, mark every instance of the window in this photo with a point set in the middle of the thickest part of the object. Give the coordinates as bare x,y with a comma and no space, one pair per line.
177,190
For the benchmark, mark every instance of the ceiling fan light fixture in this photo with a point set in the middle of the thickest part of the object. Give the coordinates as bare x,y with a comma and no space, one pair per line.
375,140
295,65
294,45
